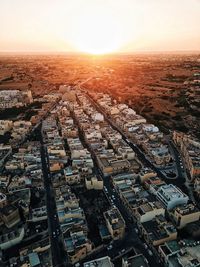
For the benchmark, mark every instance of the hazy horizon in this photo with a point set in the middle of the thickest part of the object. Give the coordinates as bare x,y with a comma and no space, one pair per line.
136,52
96,26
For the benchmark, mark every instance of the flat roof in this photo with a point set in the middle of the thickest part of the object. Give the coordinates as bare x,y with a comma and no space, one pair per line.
170,191
101,262
138,261
34,259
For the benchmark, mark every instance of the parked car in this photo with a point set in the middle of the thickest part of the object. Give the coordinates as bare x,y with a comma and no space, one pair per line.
150,252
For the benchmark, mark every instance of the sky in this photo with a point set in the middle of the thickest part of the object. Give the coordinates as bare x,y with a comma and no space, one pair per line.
99,26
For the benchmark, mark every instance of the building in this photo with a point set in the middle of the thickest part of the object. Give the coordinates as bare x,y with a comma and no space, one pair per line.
101,262
10,215
5,126
171,196
160,155
145,174
39,214
12,238
190,151
94,182
97,117
15,98
72,176
110,164
158,231
152,184
5,151
135,261
115,223
185,214
148,211
3,200
180,254
20,129
77,246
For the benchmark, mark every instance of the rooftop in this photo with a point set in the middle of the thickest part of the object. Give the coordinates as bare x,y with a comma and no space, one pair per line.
101,262
137,261
170,192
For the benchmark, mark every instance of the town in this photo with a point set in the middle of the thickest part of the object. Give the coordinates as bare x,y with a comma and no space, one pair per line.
87,181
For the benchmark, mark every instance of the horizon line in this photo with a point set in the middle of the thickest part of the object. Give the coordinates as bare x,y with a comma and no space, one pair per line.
46,52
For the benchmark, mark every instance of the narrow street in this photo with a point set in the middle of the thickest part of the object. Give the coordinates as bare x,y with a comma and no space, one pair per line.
57,250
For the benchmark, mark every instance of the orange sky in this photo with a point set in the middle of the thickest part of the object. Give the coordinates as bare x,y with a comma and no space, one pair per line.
99,26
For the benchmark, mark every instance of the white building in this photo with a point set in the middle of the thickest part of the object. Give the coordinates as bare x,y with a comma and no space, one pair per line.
171,196
97,117
150,128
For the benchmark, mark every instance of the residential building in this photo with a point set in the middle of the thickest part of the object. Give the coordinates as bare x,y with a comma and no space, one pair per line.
148,211
184,253
158,231
135,261
94,182
10,215
185,214
115,223
100,262
171,196
77,246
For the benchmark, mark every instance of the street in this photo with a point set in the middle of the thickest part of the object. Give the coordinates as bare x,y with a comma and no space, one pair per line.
57,250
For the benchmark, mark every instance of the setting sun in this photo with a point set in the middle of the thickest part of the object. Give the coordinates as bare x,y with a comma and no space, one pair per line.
96,32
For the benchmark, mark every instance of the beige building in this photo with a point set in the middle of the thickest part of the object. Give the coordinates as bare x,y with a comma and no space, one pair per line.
112,165
190,151
94,182
148,211
72,176
5,126
146,174
185,214
55,166
115,223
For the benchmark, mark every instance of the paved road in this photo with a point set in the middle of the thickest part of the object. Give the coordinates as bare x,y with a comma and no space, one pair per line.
182,181
57,250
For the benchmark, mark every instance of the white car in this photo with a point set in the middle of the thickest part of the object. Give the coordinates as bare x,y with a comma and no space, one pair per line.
150,252
54,234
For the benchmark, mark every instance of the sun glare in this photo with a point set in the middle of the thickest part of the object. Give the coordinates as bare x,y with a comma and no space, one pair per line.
96,32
